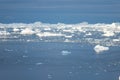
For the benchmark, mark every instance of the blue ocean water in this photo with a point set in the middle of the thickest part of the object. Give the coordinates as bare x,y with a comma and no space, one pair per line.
44,60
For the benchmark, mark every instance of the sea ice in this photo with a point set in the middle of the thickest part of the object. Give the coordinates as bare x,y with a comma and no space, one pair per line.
39,63
65,52
15,29
27,31
99,48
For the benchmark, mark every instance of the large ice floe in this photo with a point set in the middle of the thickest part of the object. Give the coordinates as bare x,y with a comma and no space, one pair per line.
99,48
99,34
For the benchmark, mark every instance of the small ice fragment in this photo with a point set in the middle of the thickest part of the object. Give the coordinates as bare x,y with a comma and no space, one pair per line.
68,36
24,56
70,72
27,31
105,70
108,34
15,29
96,73
99,48
116,40
49,76
8,50
49,34
65,52
119,77
89,34
39,63
47,28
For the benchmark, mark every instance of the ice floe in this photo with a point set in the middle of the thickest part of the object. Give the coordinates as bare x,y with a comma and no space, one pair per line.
99,48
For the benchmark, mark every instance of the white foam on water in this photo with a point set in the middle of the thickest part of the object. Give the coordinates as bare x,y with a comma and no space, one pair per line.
98,49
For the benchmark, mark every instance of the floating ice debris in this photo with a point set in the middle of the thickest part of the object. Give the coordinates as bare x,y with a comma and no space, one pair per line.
108,34
49,76
89,34
99,48
70,72
9,50
65,52
96,73
99,33
47,28
116,40
27,31
68,36
46,34
4,33
39,63
15,29
119,77
24,56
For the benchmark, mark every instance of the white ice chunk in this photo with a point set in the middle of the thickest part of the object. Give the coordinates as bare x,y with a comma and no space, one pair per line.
15,29
116,40
108,34
47,34
39,63
24,56
99,48
49,76
65,52
4,33
9,50
27,31
47,28
70,36
89,34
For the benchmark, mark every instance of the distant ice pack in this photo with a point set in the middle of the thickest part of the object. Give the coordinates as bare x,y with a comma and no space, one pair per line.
97,34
